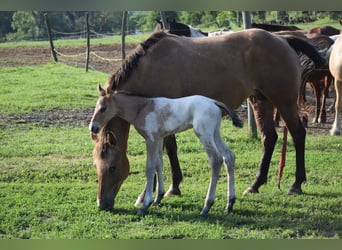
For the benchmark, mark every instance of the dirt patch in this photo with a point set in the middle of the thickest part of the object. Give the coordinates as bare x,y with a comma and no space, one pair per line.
75,56
73,118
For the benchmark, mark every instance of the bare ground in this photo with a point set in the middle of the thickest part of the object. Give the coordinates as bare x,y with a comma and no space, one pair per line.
75,56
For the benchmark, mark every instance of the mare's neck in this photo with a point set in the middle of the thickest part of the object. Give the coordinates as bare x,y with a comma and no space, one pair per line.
129,107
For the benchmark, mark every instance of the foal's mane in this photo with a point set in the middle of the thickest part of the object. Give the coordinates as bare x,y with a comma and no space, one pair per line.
132,61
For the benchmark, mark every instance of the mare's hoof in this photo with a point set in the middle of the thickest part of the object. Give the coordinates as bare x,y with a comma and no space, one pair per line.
294,191
173,192
250,190
139,201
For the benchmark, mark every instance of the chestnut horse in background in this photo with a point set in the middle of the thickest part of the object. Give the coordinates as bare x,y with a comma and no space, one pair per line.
228,68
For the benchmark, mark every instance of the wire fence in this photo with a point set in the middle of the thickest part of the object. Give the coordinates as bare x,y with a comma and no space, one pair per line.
84,34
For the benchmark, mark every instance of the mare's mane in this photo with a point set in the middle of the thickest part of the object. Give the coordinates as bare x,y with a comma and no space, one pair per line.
131,63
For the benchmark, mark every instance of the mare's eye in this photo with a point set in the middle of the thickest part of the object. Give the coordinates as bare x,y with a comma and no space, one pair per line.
111,169
103,109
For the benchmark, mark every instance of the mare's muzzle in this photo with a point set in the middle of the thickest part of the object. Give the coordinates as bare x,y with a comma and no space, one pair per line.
94,128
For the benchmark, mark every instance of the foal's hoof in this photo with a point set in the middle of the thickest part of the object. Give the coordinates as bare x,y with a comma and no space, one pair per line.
250,190
141,212
158,199
294,191
139,201
229,207
206,208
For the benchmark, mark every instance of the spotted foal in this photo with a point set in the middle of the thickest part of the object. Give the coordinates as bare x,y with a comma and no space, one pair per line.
156,118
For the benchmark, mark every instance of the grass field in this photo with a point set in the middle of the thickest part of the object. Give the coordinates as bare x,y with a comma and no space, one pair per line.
48,185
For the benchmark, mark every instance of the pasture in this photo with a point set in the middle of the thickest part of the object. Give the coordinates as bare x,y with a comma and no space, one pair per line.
48,185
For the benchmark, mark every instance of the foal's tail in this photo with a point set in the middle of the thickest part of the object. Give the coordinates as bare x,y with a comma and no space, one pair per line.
235,119
306,48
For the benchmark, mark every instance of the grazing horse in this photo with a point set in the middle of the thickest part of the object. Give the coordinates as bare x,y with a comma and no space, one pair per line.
156,118
335,67
226,68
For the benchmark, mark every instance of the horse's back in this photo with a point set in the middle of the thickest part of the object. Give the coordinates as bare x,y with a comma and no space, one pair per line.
218,66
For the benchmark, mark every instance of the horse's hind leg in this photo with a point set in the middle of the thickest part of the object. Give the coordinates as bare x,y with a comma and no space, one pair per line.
335,130
263,112
177,176
298,133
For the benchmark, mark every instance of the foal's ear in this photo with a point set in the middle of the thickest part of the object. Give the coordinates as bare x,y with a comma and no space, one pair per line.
101,91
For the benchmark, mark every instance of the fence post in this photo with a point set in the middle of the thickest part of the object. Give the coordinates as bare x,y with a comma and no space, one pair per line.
163,19
88,41
251,120
123,34
53,52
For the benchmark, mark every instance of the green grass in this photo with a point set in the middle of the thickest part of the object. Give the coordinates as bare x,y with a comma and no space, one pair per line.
48,185
46,87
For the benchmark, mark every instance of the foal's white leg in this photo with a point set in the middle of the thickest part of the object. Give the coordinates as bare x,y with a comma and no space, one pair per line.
335,130
160,179
215,164
154,157
229,162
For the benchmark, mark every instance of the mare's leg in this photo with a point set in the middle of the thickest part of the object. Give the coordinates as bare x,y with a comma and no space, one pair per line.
335,130
229,162
298,133
263,112
154,157
177,176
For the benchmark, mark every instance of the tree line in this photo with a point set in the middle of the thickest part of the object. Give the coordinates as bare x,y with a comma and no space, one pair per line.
30,25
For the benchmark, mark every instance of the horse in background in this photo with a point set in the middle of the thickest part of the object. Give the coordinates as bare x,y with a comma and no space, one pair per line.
323,30
319,79
155,118
181,29
335,66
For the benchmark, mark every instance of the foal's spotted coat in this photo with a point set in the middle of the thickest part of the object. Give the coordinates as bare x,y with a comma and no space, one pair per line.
156,118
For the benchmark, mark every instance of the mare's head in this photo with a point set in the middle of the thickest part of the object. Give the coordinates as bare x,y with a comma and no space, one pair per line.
110,162
105,110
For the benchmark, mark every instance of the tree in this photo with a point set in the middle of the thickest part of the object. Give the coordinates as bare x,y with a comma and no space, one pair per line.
25,26
5,24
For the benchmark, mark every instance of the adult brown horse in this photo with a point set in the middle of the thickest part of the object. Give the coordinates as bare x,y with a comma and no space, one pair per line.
335,66
228,68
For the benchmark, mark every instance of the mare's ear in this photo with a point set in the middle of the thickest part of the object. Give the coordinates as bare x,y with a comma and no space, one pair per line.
101,91
111,138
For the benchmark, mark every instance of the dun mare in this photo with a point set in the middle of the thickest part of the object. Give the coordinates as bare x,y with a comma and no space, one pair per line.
335,67
156,118
228,68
